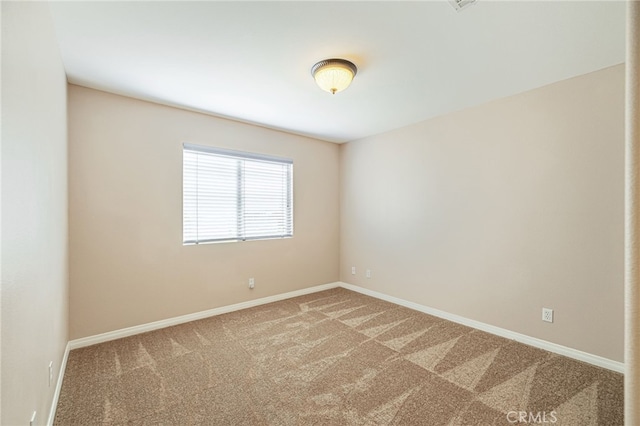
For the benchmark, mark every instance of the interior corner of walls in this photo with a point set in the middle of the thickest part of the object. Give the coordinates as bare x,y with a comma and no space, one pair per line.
505,197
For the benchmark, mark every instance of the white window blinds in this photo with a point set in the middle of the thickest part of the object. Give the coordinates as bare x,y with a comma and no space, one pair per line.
235,196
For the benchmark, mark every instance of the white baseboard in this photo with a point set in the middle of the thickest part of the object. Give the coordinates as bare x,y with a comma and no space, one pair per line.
522,338
532,341
56,393
143,328
528,340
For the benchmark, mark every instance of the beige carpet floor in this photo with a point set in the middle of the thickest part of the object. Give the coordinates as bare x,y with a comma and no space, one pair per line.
331,358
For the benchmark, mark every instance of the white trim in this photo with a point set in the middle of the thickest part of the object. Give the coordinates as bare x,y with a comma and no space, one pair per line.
56,393
522,338
143,328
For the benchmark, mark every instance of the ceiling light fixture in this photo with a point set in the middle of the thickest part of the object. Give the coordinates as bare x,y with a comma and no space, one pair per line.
334,75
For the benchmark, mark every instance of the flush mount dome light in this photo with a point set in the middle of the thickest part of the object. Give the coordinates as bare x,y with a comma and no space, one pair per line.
334,75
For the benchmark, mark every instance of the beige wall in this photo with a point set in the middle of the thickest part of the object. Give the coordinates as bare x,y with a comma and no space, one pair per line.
34,211
127,262
493,212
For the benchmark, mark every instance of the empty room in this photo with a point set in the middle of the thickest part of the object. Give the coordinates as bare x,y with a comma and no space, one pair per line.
320,213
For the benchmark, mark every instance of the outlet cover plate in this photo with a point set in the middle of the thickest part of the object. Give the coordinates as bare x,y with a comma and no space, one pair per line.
547,315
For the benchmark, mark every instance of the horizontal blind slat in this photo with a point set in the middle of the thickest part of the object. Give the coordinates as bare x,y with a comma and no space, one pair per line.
234,196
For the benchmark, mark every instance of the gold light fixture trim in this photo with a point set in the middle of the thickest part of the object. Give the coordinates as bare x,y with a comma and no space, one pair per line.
334,75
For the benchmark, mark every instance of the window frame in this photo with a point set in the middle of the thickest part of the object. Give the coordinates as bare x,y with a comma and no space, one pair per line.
241,157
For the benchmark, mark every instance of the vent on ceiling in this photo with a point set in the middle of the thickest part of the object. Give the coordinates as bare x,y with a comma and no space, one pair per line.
461,4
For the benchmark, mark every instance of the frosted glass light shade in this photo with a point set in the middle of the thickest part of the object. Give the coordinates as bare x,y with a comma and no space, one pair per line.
334,75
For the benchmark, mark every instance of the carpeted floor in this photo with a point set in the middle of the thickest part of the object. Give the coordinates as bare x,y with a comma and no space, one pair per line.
331,358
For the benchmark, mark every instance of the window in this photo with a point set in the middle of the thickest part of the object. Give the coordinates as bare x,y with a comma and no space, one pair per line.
235,196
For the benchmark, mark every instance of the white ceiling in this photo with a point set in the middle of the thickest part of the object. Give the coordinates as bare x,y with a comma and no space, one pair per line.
251,61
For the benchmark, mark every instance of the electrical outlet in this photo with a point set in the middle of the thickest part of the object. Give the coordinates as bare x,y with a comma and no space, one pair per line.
547,315
368,273
252,283
32,422
50,373
353,270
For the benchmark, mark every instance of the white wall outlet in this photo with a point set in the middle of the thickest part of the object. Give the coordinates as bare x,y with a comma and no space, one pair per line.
368,273
353,270
50,373
547,314
252,283
32,422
